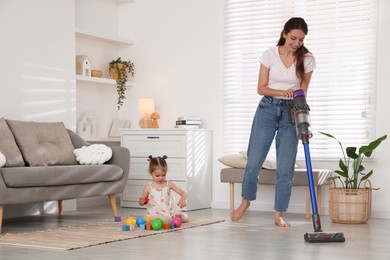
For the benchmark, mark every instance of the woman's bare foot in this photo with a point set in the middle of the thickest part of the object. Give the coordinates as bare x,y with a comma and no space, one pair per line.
239,212
279,220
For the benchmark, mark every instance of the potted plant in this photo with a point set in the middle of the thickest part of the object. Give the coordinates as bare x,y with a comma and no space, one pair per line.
119,69
351,203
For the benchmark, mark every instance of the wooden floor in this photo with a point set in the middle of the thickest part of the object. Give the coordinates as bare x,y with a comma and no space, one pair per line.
254,237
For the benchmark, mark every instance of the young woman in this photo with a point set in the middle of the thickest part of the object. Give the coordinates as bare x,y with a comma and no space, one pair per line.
283,69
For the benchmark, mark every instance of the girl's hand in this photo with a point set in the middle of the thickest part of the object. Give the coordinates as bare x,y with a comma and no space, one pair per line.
182,203
143,201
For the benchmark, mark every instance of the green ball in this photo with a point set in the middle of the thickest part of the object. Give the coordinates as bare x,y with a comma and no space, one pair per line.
157,224
162,222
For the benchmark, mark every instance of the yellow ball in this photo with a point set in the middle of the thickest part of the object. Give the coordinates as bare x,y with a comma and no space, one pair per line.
147,219
130,221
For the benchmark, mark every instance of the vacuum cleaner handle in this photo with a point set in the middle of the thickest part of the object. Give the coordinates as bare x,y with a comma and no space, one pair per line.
301,111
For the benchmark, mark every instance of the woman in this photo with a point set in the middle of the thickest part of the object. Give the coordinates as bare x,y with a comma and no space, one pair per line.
283,69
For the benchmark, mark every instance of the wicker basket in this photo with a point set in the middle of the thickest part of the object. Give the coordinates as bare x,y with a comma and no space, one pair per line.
350,206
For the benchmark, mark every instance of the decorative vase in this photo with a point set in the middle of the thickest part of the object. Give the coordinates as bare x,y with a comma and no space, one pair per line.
350,206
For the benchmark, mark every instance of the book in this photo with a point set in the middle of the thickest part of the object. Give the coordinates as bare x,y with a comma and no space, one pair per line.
188,118
188,122
187,126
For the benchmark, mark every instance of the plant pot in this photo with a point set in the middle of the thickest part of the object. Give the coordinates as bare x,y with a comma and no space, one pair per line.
350,206
115,72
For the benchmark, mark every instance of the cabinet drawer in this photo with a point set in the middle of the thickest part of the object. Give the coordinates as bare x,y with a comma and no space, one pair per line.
155,145
177,169
133,191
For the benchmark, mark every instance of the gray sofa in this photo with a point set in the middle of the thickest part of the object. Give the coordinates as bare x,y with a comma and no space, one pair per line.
34,184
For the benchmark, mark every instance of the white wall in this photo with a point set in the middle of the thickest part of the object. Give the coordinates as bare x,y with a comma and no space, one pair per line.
381,178
37,61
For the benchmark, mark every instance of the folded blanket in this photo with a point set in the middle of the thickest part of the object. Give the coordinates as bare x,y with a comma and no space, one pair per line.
2,159
93,154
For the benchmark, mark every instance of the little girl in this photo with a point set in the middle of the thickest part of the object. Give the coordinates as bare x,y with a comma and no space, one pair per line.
157,194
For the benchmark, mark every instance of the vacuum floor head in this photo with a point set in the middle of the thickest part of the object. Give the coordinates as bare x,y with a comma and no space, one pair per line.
324,237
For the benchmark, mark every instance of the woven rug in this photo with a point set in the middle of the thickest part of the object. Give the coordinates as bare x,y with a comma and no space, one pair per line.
92,234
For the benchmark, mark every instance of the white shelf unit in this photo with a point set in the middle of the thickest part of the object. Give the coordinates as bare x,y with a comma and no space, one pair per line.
189,163
100,80
92,94
103,38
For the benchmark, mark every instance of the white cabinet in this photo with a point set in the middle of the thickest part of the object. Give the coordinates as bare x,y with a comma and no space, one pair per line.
189,162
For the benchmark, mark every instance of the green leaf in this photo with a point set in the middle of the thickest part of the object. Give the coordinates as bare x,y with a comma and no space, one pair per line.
328,135
351,152
367,150
368,175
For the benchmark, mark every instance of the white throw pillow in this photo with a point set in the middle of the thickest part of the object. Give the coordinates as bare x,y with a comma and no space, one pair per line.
2,159
93,154
233,160
269,163
270,160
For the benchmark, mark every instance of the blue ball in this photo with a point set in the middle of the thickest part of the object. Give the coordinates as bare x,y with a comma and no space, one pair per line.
140,221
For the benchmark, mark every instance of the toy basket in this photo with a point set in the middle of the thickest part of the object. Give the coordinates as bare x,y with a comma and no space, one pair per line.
350,206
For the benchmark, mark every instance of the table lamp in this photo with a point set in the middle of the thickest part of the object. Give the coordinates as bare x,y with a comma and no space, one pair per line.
145,107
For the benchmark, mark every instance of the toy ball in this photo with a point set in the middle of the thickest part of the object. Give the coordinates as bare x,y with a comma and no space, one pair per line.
177,221
147,219
140,221
130,222
157,224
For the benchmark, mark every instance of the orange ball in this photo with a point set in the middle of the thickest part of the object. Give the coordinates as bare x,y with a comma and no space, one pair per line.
147,219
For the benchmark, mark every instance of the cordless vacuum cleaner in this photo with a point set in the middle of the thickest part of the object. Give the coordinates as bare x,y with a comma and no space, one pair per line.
301,118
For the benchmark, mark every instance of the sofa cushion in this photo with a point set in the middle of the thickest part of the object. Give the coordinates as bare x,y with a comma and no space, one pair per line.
43,176
8,146
43,143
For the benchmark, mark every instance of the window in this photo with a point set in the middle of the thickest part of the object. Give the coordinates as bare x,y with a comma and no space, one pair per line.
342,37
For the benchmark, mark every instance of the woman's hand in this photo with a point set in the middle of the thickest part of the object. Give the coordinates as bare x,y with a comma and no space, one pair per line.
287,93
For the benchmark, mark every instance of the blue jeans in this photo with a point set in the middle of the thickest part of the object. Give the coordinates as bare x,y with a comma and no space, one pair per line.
271,118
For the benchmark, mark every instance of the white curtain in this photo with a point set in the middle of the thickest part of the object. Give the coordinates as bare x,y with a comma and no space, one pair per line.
342,37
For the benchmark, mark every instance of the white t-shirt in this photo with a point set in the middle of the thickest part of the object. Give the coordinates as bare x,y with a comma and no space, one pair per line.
281,77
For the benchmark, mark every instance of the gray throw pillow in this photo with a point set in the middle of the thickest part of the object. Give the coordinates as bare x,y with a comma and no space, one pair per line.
43,143
8,146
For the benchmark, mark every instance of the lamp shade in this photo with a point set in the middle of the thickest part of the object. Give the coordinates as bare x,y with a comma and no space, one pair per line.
146,105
